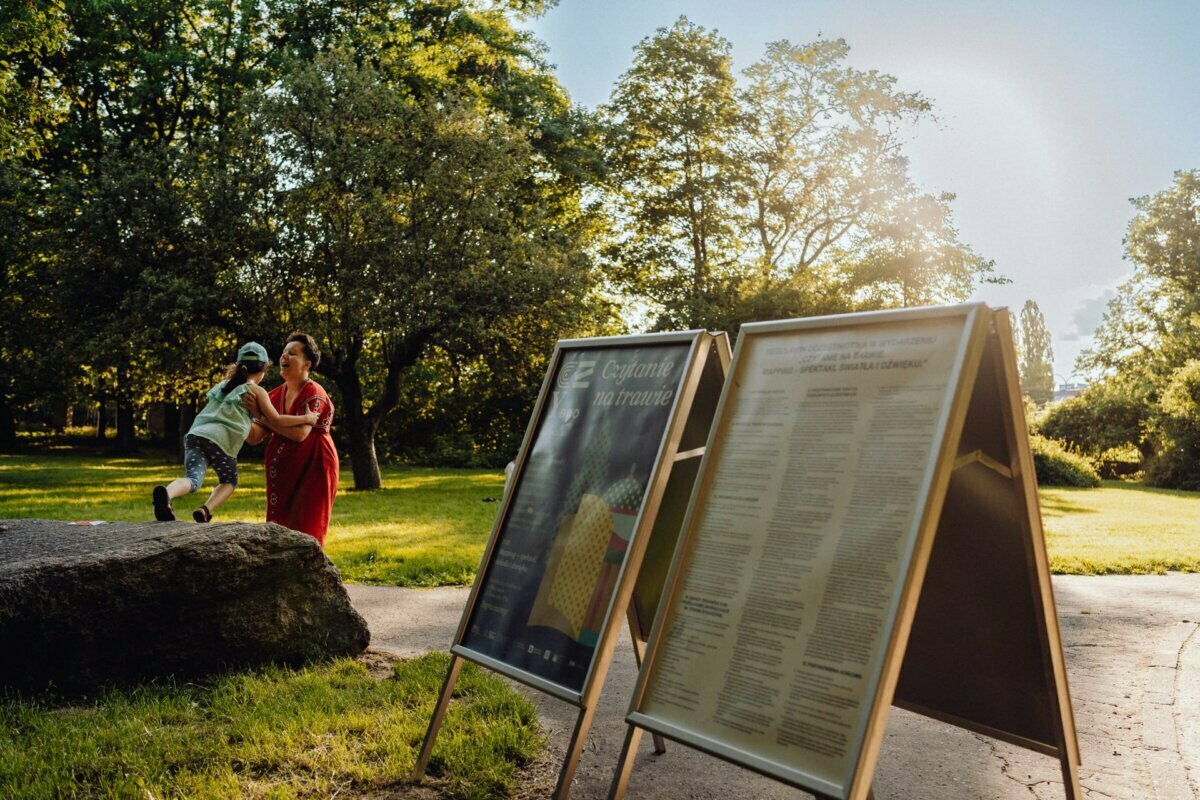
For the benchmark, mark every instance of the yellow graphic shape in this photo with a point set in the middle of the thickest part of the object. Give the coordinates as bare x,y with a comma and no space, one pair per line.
582,559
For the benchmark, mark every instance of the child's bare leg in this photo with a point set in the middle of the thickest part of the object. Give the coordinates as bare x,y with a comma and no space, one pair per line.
179,487
219,495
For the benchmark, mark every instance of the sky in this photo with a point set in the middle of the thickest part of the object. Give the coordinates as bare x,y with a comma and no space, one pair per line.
1052,115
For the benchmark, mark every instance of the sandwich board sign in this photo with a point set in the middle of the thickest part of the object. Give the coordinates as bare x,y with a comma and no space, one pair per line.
619,426
864,531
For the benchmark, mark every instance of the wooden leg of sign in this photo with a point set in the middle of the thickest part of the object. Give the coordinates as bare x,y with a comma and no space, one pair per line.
660,744
574,751
818,796
439,713
1070,774
625,763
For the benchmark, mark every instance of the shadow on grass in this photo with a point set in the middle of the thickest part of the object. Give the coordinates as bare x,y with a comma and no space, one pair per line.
1061,506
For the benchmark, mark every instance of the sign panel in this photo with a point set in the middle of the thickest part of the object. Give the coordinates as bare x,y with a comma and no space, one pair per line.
543,597
799,542
660,550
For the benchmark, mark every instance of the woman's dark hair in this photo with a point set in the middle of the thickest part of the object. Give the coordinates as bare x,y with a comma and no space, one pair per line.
236,374
311,351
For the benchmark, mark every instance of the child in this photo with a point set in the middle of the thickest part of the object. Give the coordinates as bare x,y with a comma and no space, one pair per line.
218,433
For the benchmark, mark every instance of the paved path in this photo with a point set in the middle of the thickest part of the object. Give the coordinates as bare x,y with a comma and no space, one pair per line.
1133,658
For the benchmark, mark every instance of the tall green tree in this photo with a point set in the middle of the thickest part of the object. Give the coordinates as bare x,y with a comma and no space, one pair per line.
1152,325
787,195
673,115
149,214
1035,360
420,214
1149,342
31,363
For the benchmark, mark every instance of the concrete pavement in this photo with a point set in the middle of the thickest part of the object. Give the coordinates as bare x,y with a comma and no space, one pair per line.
1133,659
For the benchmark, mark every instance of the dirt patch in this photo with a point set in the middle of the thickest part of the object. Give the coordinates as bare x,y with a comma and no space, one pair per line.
380,665
536,780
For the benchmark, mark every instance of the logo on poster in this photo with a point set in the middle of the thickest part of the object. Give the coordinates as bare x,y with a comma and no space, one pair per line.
573,372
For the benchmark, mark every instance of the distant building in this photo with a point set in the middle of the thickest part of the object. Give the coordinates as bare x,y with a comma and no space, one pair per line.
1066,390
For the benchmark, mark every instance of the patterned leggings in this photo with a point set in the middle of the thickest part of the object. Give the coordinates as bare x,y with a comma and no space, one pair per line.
199,454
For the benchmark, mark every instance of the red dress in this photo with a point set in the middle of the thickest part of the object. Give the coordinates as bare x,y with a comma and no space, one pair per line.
302,477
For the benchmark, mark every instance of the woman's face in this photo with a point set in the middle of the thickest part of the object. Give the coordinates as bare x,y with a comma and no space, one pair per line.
292,362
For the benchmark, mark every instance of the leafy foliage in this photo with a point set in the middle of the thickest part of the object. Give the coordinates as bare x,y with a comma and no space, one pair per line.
787,196
672,117
409,182
1102,417
1058,466
1035,359
1150,337
414,222
1177,464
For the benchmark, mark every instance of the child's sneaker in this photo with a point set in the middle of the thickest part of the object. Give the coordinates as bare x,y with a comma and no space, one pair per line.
163,511
202,514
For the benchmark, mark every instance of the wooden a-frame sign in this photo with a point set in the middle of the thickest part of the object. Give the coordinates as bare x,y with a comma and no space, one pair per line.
604,472
864,531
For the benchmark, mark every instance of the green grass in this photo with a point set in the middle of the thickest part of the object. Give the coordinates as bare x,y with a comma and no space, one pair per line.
319,732
426,527
1121,528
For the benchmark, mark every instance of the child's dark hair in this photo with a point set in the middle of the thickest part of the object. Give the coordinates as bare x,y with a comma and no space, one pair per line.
311,351
236,374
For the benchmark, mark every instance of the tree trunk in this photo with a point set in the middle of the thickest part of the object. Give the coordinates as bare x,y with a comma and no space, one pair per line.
363,460
58,415
171,433
102,420
187,415
126,435
8,427
362,423
362,426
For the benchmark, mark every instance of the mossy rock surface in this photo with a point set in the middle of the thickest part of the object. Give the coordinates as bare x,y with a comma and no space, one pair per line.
85,606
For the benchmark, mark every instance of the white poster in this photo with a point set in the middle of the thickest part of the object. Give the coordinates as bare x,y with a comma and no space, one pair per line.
800,540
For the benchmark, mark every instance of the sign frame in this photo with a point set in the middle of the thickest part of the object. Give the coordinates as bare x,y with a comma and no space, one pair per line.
702,346
979,323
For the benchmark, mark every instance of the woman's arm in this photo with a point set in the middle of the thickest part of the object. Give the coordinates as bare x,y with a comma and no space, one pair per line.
273,419
257,433
297,433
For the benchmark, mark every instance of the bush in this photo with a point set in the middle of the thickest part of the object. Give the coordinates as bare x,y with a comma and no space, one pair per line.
1119,462
1058,466
1106,415
1177,464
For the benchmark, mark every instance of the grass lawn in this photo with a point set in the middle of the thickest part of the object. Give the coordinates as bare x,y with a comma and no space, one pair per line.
426,527
1121,528
338,730
325,731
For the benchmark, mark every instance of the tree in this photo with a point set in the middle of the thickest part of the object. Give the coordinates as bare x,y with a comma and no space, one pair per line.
30,33
415,219
31,365
787,196
144,221
1035,355
1150,338
673,115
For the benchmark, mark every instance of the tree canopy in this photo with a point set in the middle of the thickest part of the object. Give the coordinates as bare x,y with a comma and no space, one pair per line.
1147,348
785,195
409,182
1035,354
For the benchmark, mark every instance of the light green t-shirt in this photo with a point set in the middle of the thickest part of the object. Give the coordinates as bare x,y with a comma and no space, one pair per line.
223,421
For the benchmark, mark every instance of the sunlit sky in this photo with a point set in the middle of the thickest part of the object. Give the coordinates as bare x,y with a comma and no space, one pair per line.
1052,115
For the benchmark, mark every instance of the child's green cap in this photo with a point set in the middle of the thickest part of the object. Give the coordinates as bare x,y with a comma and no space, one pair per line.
252,352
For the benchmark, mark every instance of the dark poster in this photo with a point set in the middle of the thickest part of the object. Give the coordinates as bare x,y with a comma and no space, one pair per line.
554,568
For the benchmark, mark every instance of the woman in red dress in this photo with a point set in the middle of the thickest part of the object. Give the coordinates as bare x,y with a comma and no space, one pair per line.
301,462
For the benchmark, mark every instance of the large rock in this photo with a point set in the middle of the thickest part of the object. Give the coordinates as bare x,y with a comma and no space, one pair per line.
85,606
